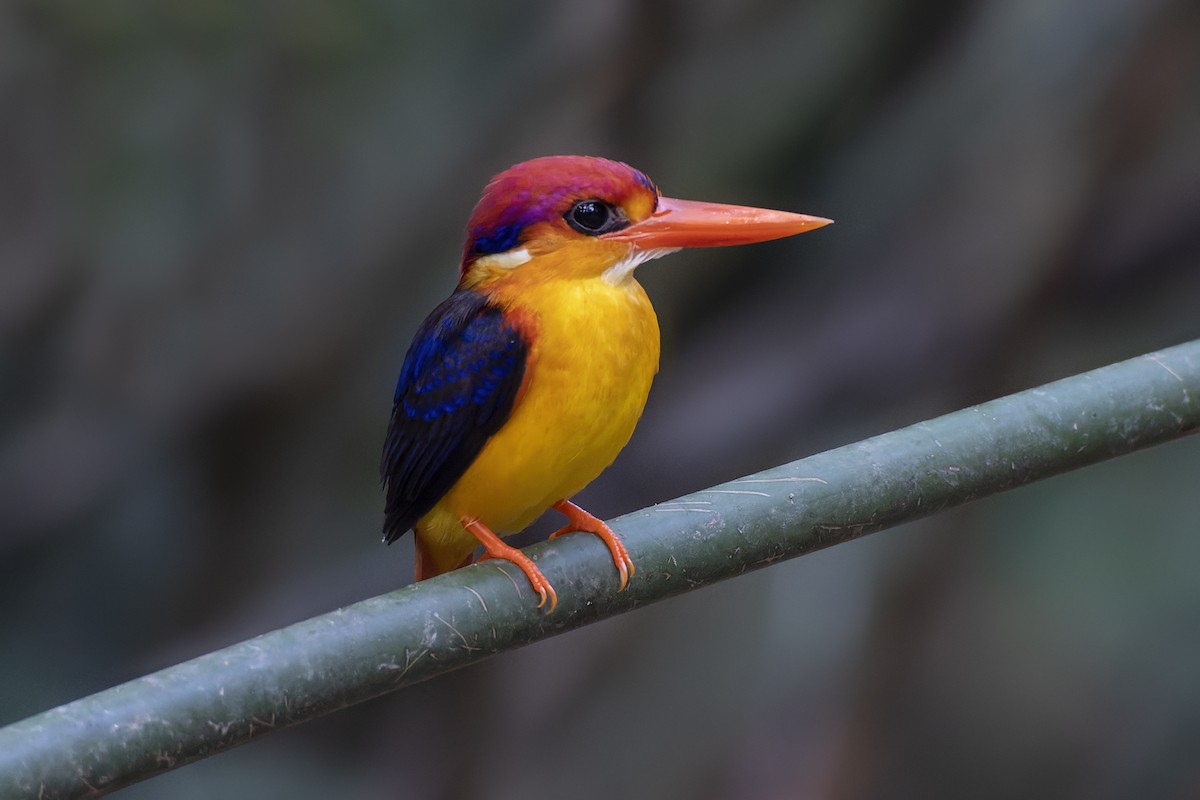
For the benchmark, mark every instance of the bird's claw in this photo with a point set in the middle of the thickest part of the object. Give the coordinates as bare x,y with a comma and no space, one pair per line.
580,520
493,547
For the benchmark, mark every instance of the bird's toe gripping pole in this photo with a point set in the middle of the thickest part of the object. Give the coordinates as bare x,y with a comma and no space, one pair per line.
580,520
495,548
577,520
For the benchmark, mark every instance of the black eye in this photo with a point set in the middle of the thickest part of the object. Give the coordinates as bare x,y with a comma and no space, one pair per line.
594,217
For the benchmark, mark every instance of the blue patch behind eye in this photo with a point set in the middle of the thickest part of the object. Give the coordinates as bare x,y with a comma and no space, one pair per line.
501,240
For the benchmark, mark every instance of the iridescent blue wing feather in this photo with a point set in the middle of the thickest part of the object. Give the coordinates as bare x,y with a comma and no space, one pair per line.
457,387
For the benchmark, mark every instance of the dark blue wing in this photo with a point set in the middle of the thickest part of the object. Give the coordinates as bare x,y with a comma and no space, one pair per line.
456,388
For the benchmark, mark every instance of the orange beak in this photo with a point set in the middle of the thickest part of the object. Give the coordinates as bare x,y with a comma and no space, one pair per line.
687,223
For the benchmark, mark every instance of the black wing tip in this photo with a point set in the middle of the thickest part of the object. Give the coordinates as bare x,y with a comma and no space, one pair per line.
395,524
393,532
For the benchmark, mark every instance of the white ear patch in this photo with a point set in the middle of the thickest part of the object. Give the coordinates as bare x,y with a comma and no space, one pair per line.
510,259
621,271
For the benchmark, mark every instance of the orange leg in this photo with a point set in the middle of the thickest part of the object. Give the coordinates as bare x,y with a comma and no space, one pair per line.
580,520
494,548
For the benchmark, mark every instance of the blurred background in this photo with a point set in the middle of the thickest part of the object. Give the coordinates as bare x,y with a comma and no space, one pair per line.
221,222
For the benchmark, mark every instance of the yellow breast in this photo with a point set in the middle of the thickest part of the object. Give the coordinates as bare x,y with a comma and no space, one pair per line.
593,354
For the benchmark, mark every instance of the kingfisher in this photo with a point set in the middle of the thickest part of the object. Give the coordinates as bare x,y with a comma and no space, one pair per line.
525,383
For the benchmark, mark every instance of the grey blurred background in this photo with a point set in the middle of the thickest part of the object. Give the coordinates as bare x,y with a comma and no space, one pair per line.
220,223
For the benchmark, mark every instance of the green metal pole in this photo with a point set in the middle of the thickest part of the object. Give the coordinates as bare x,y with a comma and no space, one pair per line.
217,701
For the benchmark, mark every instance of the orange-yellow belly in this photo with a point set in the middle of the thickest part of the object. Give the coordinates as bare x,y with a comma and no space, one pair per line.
591,364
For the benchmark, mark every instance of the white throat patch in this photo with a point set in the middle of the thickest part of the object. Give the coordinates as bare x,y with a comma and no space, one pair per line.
621,271
510,259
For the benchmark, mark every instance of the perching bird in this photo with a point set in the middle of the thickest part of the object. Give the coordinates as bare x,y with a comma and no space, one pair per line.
523,386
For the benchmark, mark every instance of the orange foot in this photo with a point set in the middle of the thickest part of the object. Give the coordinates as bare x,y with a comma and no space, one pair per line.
494,548
580,520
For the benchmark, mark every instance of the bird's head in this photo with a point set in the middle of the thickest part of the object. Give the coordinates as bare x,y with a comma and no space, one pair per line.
583,217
